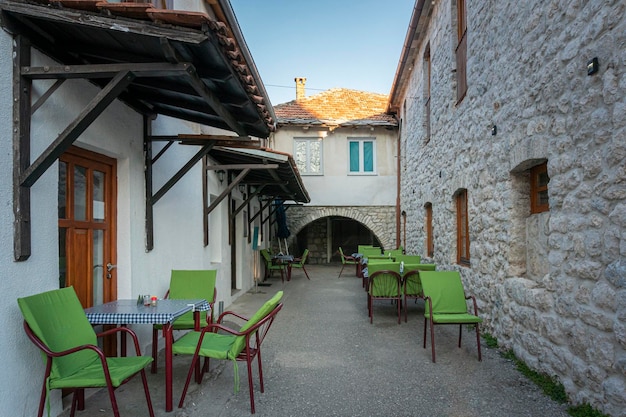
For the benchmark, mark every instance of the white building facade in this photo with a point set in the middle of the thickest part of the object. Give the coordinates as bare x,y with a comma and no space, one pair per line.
186,227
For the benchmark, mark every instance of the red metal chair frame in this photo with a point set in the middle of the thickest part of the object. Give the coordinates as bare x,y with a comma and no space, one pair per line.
252,349
78,396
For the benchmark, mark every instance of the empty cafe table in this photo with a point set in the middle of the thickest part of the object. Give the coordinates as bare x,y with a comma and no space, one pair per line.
125,312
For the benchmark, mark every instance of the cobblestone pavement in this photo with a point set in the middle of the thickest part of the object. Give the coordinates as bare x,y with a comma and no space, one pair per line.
322,357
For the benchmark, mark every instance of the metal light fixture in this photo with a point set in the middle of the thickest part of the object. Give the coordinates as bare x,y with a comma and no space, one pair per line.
220,175
242,188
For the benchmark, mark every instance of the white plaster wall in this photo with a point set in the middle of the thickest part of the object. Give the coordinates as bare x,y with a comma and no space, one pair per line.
335,187
178,234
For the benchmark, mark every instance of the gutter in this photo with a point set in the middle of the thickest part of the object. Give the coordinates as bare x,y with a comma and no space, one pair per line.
399,80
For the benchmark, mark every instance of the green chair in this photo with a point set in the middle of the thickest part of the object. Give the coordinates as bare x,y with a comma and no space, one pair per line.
445,304
187,284
393,254
363,248
270,266
299,262
56,323
411,283
384,283
346,260
408,259
236,345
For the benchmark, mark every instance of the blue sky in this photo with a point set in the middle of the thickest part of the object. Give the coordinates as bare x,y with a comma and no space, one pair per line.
352,44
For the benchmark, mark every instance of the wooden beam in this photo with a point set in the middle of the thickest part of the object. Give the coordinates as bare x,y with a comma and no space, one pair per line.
66,72
214,102
97,105
21,150
227,191
169,184
148,161
241,166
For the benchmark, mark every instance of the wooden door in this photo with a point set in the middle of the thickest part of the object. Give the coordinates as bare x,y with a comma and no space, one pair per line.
87,201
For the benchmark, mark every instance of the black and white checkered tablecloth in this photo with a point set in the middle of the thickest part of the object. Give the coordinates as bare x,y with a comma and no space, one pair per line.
129,312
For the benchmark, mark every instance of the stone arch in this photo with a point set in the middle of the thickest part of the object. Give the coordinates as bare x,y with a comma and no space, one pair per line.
370,217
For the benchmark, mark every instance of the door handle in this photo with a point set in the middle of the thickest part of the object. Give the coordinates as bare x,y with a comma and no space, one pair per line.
110,267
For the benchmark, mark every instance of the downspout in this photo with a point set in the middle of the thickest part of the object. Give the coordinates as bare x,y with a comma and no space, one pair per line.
398,179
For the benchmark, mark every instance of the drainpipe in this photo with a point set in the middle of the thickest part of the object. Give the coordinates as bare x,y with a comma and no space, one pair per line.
398,179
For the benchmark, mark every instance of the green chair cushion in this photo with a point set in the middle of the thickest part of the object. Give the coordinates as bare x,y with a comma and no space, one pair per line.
191,284
221,346
93,375
412,259
214,345
461,318
446,292
58,319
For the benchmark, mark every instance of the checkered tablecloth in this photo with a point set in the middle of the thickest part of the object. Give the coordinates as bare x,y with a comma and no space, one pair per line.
129,312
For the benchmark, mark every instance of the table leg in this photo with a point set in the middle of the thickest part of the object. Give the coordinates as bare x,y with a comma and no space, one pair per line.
196,327
289,271
167,333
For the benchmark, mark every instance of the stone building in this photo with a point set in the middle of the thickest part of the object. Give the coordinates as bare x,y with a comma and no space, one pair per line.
513,172
345,147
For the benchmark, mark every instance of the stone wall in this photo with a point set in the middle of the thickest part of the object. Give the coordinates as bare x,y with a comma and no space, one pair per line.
550,286
380,220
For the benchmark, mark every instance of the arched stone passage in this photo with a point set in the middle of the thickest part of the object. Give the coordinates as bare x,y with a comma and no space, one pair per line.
378,219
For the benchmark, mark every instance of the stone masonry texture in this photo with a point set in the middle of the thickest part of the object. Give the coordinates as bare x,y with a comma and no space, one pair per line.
551,286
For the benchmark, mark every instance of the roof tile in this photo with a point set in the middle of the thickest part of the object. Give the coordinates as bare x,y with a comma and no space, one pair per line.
337,106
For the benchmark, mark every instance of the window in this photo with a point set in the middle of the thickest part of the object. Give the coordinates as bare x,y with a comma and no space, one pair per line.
430,245
539,180
461,51
462,229
427,80
362,155
308,155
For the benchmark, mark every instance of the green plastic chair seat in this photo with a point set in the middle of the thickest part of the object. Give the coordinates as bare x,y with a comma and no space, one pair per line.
299,263
346,260
384,283
214,345
271,266
243,344
446,304
461,318
188,284
93,375
56,323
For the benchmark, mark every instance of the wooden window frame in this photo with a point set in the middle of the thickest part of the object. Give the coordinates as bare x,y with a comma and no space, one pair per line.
428,216
461,51
536,188
462,230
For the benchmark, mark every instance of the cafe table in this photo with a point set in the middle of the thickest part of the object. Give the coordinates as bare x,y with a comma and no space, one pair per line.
125,312
286,260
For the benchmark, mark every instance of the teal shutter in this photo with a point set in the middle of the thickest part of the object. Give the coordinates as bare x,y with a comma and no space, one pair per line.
354,156
368,156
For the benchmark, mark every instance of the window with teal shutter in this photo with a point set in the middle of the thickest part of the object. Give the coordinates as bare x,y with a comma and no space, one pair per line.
354,156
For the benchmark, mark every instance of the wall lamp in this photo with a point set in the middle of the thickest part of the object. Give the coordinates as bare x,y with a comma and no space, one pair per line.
220,175
242,188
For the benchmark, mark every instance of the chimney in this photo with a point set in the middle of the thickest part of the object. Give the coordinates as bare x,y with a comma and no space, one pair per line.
300,82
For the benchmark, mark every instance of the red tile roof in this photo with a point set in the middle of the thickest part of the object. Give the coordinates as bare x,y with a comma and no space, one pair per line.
337,107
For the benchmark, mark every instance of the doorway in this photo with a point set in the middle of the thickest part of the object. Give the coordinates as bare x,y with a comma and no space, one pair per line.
87,225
